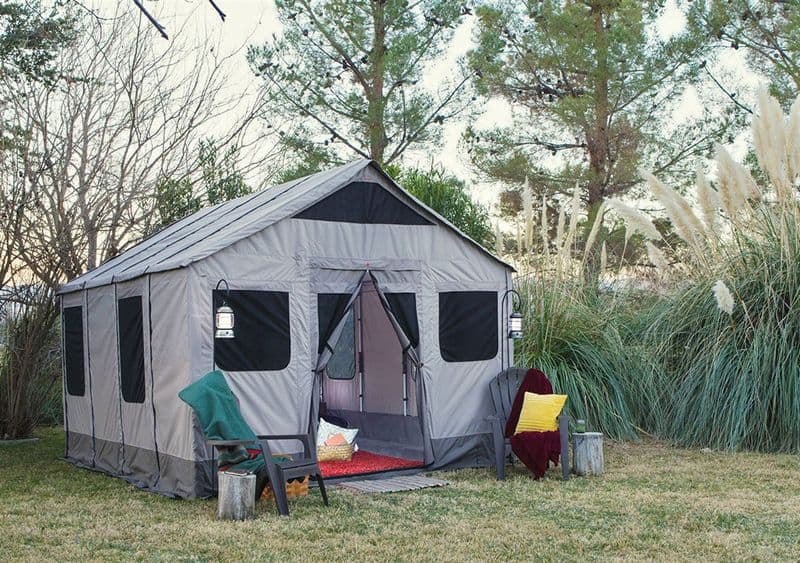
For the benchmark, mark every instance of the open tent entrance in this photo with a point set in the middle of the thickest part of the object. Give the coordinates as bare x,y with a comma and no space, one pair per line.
368,368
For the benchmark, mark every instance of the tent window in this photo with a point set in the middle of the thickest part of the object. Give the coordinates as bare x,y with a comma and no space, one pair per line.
330,310
468,325
404,309
261,339
73,351
364,202
131,348
342,364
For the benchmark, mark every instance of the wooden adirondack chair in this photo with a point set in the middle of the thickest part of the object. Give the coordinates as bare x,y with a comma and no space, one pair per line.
503,389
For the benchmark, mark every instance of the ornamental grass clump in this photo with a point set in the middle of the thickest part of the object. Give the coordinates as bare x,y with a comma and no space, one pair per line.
727,345
581,339
575,336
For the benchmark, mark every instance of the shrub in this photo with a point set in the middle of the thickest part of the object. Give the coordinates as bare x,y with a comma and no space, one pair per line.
30,363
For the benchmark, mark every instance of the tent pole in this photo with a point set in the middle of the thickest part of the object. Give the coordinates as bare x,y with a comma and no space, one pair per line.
405,386
360,354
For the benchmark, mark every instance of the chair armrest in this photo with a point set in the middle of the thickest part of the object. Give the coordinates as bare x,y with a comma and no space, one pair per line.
305,439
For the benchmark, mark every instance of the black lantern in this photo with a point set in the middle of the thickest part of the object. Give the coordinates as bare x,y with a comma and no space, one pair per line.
224,318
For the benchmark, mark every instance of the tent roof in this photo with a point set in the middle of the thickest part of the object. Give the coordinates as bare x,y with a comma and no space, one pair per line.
214,228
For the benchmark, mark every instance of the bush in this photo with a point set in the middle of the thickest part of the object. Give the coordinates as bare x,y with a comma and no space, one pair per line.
448,196
30,363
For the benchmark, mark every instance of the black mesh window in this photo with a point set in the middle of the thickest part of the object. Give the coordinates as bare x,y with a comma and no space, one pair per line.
261,331
330,310
342,364
468,325
404,309
73,351
363,202
131,348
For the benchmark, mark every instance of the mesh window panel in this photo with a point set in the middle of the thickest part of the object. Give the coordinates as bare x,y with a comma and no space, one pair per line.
330,310
261,339
468,325
131,348
363,202
73,351
342,364
404,309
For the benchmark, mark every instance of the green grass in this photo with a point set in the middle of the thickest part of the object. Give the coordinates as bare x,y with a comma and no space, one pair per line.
653,503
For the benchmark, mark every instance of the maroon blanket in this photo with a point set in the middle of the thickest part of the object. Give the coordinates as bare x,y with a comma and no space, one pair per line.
534,449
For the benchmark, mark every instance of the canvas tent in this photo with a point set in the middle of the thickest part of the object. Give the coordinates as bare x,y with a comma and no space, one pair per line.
347,293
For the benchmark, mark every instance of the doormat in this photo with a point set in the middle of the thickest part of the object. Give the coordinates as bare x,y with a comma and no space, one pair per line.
394,484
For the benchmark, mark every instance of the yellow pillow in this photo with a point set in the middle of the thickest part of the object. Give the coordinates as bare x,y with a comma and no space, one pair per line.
540,412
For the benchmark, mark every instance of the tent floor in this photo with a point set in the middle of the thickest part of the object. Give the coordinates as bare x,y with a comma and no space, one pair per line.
364,462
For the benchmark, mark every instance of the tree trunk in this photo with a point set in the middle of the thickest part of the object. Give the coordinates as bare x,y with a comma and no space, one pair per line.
587,455
597,137
376,103
237,496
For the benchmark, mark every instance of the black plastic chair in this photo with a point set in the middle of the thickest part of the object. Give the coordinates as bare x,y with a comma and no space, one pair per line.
503,389
281,471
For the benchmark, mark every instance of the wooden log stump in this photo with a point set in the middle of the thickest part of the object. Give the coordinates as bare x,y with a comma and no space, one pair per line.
587,454
237,495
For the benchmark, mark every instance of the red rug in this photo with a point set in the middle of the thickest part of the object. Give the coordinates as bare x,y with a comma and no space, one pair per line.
366,462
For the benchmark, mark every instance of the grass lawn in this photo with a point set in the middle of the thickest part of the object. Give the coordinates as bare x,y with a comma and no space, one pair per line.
655,502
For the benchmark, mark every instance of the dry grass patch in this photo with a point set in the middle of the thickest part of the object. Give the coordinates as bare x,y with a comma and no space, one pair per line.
655,502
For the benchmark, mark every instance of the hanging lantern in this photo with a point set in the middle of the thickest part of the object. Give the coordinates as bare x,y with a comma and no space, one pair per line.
224,318
223,322
515,325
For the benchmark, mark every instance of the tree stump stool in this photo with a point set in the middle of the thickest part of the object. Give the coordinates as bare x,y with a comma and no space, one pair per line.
237,495
587,453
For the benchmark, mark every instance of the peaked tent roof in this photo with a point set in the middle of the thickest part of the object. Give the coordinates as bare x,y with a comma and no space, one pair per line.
214,228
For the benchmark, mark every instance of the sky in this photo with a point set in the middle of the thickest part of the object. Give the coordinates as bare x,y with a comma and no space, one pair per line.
254,21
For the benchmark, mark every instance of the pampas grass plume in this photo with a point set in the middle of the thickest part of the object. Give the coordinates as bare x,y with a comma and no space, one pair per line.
724,297
545,228
683,218
562,223
603,258
769,141
575,210
735,183
598,222
708,198
793,141
635,220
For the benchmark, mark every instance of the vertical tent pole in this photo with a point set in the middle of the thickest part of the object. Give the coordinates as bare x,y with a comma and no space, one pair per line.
405,384
360,354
